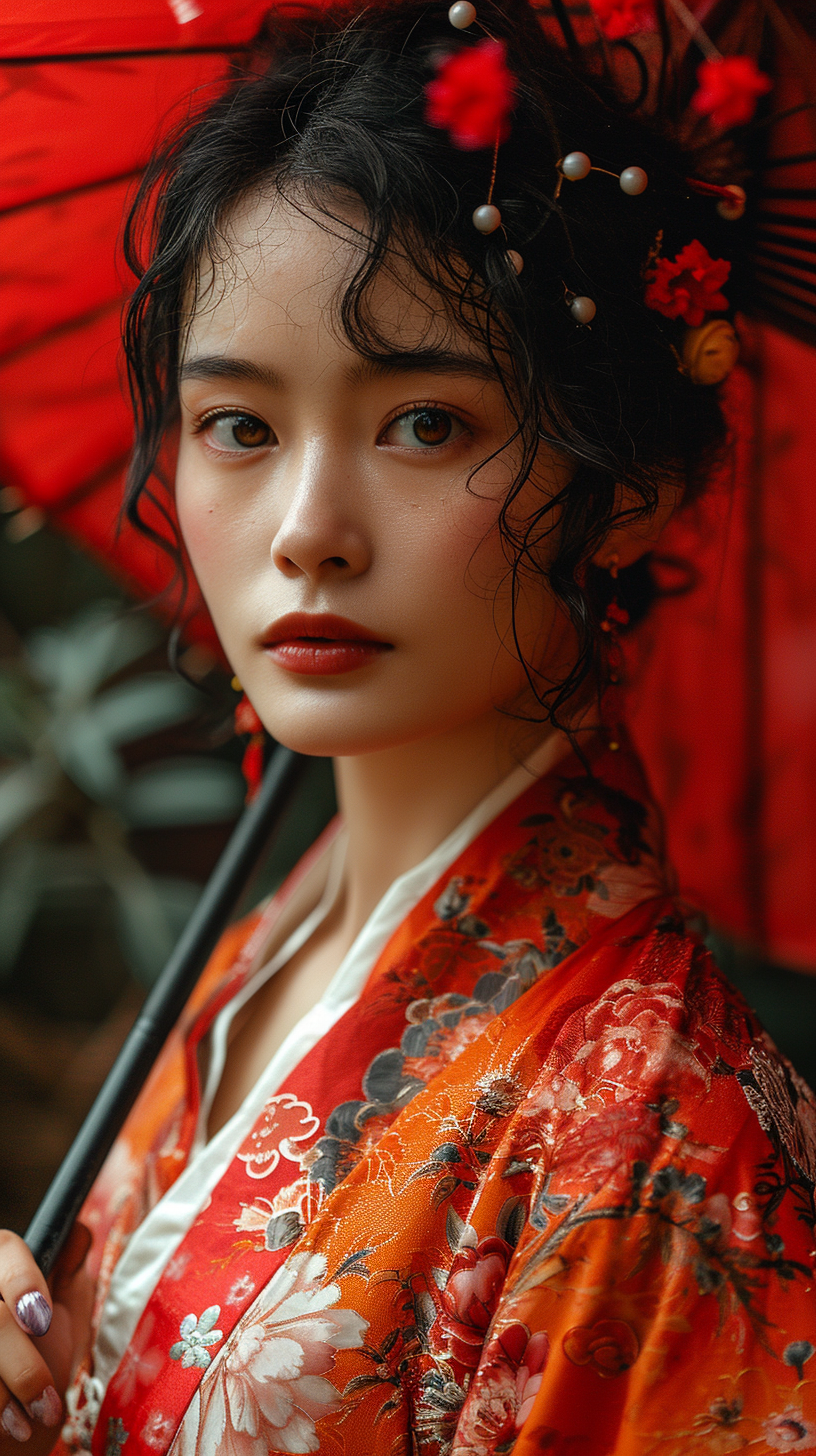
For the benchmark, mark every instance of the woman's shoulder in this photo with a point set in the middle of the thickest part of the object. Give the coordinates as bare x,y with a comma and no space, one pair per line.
647,1027
656,1102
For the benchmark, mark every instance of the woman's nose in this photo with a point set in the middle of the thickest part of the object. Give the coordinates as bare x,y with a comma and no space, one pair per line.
321,533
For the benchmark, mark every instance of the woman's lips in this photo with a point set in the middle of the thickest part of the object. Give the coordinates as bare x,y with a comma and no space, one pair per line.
321,644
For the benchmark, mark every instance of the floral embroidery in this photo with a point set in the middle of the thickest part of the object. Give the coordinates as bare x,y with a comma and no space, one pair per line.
797,1354
157,1431
140,1363
789,1432
609,1347
117,1435
196,1336
553,1146
510,1379
469,1299
268,1387
241,1289
83,1402
285,1123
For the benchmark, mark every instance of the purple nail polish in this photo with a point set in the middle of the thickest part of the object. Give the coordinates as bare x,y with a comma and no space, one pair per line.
47,1407
34,1312
13,1421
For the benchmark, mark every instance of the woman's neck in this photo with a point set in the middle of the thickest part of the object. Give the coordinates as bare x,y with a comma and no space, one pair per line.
400,803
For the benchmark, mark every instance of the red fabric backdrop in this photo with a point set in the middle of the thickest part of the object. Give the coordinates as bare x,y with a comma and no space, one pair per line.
723,679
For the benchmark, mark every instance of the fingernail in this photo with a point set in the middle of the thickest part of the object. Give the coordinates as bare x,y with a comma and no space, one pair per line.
34,1312
13,1421
47,1407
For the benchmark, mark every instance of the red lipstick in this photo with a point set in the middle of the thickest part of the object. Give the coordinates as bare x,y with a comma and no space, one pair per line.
318,643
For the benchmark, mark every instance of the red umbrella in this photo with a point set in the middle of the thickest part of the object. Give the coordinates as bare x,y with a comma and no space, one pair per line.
85,91
725,688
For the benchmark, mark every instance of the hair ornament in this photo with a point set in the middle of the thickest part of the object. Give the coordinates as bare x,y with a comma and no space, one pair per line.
732,199
621,18
577,165
687,286
729,88
710,352
462,14
583,309
732,207
487,218
471,95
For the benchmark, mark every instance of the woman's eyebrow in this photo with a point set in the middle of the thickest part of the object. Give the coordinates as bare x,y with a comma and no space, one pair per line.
408,361
227,366
421,361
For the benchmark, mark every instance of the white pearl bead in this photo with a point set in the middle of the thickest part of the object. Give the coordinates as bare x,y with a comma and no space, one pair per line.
515,260
633,181
486,218
583,309
575,166
462,14
732,210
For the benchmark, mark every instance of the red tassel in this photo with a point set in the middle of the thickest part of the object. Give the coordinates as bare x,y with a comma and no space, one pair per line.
252,763
246,719
252,766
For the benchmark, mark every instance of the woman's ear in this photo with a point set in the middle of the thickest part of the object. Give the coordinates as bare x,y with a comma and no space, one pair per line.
627,542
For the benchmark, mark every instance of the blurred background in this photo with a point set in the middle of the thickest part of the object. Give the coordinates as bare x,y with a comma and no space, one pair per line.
120,779
120,782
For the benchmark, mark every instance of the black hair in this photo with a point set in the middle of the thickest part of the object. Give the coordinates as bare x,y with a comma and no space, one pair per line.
330,106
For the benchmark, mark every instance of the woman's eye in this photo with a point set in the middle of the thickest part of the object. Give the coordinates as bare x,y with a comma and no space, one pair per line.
423,428
237,432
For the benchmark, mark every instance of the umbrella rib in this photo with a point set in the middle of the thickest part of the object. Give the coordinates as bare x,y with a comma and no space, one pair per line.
71,191
65,326
72,57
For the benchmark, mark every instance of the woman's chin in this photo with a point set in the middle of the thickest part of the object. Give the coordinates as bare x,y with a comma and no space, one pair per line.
321,737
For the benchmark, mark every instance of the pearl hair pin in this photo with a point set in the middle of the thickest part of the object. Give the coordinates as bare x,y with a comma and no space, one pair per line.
486,217
462,14
576,165
583,309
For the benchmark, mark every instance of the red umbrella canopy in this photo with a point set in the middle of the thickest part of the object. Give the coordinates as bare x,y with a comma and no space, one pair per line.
724,678
85,92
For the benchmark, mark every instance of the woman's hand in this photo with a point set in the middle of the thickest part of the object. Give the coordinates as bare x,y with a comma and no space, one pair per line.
42,1334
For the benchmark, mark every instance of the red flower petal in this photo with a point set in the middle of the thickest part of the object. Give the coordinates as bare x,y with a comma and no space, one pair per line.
729,89
688,286
619,18
252,767
246,719
471,96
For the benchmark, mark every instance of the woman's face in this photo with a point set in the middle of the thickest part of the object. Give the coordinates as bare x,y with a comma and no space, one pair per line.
312,483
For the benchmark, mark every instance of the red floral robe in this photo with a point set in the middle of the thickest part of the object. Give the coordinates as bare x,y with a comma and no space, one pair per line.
546,1187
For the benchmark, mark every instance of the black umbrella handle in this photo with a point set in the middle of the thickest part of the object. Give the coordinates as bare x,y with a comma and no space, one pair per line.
55,1216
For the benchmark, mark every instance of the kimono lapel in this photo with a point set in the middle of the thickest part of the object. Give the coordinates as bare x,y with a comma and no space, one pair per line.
572,853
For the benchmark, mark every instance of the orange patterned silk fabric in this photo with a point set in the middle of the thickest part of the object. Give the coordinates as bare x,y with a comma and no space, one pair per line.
557,1196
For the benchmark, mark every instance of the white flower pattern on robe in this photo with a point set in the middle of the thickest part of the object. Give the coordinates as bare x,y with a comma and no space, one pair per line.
267,1387
196,1335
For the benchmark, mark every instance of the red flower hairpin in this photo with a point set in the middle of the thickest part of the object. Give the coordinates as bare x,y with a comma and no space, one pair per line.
729,88
688,287
620,18
471,96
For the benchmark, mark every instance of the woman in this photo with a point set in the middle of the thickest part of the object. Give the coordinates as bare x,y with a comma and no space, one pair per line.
463,1144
